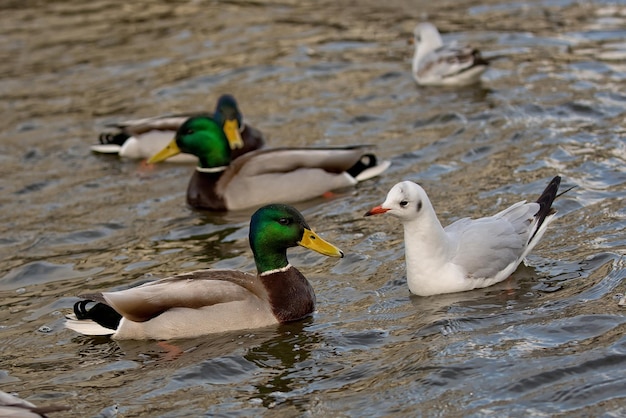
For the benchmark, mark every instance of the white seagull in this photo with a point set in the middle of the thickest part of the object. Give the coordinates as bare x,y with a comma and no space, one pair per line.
436,64
469,253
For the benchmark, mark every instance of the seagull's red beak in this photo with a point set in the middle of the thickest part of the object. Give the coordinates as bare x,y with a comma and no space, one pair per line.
376,211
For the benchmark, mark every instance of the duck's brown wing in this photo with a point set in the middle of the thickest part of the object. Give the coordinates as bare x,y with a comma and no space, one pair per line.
190,290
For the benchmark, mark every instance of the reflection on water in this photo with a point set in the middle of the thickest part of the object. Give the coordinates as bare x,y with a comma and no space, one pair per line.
549,340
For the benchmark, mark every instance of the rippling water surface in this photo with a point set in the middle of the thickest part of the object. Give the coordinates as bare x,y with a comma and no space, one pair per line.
548,341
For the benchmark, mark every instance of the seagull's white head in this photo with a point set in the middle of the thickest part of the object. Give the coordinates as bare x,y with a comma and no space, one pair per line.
426,37
406,201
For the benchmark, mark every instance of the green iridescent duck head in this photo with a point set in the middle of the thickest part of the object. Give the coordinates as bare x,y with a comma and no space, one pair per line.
201,136
276,227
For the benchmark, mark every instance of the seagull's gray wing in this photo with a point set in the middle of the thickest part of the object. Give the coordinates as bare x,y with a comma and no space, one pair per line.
486,246
447,61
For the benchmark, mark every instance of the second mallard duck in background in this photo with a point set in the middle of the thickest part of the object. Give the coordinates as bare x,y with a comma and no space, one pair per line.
263,176
142,138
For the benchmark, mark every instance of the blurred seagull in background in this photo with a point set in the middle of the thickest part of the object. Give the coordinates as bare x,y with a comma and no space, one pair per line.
436,64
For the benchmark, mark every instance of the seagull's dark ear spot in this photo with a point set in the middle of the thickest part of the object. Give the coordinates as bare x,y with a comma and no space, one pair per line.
419,206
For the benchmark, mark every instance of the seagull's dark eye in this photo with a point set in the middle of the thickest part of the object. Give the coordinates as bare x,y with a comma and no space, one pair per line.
419,205
284,221
403,203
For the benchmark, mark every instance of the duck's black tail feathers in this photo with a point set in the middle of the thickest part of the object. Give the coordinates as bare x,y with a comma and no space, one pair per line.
545,203
479,59
117,138
365,162
100,313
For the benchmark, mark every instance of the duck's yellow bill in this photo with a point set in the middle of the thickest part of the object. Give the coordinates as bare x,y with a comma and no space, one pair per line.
231,129
169,151
313,242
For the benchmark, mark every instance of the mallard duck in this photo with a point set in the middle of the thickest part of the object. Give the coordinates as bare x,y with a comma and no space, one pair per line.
12,406
256,178
469,253
209,301
436,64
142,138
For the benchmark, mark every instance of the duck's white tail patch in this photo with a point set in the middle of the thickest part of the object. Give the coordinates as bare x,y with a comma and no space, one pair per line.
378,169
106,148
87,327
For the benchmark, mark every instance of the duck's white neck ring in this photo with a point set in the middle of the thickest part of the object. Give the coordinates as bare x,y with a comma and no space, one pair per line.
212,169
280,270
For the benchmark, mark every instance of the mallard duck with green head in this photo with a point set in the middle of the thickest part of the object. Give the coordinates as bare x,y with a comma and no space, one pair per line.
142,138
288,175
209,301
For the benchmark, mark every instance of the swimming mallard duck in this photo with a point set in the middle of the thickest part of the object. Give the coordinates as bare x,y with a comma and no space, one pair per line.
436,64
142,138
209,301
469,253
266,175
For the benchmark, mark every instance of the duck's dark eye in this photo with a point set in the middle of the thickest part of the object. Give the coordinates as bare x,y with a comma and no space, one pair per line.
403,203
285,221
189,132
